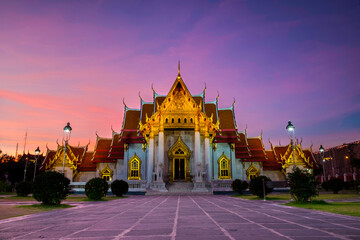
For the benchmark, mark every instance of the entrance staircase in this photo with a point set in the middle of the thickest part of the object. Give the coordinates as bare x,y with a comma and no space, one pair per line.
178,188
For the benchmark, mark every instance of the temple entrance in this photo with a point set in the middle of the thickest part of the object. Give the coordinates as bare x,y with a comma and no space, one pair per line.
179,169
179,162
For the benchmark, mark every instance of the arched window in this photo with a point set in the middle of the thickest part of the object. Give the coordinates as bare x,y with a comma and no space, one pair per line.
179,121
185,120
166,120
106,173
191,120
172,120
134,168
252,172
224,164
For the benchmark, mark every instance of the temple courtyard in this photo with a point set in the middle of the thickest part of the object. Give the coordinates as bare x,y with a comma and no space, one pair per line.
181,217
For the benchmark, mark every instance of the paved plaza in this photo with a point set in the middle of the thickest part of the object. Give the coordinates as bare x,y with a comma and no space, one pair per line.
181,217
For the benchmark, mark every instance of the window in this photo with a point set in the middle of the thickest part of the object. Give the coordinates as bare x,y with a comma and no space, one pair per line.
252,172
191,120
224,167
106,173
179,121
185,120
172,120
179,151
134,168
106,177
166,120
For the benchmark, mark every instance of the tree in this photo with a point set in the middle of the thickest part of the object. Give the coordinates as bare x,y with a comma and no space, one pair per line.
96,188
303,185
119,187
23,188
51,187
239,186
256,186
336,185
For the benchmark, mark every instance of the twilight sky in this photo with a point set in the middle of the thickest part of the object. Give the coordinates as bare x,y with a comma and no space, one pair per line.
75,61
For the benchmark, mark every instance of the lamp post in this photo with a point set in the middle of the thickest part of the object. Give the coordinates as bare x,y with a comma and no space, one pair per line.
322,153
67,134
37,152
291,131
26,163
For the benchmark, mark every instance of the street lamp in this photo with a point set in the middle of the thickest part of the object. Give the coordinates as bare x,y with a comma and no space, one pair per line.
322,153
37,152
26,163
291,131
67,134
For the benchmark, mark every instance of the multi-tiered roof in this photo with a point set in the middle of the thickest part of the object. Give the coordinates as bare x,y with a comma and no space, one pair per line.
220,122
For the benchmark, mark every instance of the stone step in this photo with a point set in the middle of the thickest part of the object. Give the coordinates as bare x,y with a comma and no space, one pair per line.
180,187
151,192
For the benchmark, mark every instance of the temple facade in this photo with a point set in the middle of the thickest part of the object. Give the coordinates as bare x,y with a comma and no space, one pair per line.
178,138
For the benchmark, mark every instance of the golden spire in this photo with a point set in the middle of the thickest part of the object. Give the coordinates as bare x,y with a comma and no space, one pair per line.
179,69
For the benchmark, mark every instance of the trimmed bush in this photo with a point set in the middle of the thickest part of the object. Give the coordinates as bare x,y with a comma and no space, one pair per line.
5,187
256,186
239,186
303,185
119,187
23,188
96,188
325,185
336,185
51,187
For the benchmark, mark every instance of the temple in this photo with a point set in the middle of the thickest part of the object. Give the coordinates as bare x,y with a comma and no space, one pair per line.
178,138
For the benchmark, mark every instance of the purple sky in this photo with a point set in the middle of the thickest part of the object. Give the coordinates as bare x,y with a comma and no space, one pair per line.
76,60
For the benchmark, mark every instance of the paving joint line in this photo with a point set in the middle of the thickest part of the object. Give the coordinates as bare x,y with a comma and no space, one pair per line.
304,226
107,218
226,233
173,233
138,221
259,224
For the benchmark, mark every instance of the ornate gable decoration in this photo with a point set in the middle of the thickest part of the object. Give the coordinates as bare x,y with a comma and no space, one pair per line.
179,148
70,159
178,110
300,157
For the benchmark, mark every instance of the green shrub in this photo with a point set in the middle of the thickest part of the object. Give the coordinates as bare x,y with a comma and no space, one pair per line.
349,185
23,188
51,187
239,186
336,185
119,187
5,187
325,185
96,188
303,185
256,186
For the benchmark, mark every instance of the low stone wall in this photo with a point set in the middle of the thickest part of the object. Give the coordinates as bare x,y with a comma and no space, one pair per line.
135,186
221,185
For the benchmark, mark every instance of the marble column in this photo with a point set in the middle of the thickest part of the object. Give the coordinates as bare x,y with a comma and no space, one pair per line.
207,158
150,159
160,156
197,153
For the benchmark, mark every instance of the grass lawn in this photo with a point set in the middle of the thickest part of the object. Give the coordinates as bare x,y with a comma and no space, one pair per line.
72,198
9,211
286,196
346,208
81,198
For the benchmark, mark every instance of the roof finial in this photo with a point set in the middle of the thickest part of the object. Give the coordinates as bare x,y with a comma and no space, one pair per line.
179,68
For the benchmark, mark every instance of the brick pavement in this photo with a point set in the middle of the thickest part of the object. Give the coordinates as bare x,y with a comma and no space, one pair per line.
181,217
